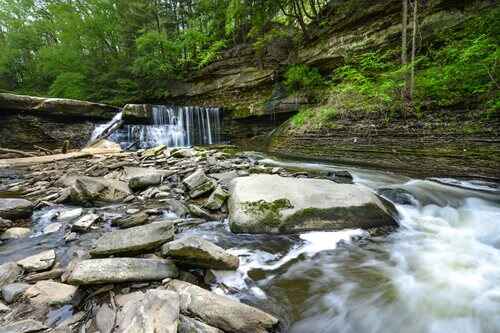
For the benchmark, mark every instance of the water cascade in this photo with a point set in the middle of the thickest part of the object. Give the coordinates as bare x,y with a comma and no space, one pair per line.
173,126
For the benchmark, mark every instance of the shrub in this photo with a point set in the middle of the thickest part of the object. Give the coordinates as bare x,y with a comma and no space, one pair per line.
302,77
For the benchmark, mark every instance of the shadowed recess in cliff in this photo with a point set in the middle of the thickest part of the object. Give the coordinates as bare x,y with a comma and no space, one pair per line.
173,126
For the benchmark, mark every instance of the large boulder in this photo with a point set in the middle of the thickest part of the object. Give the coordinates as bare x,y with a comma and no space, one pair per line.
219,311
13,209
196,251
157,311
117,270
88,190
133,240
274,204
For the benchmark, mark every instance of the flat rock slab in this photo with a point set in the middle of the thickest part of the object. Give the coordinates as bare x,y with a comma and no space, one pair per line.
88,190
9,273
133,240
156,312
197,252
116,270
198,183
51,293
23,326
133,220
274,204
85,222
220,311
39,262
13,209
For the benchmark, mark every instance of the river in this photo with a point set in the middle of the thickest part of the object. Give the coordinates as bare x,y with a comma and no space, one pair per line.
438,272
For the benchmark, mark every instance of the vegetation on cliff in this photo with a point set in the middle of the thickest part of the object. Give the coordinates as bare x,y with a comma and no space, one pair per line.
118,50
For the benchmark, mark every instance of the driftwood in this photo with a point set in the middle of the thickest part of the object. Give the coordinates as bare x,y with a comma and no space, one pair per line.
19,152
107,132
45,150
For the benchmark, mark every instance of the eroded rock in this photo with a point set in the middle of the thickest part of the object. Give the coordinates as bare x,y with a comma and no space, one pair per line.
220,311
51,293
136,239
38,262
111,270
274,204
197,252
13,208
9,273
156,312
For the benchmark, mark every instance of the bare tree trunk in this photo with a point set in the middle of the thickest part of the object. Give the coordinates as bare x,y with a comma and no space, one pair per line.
404,54
413,48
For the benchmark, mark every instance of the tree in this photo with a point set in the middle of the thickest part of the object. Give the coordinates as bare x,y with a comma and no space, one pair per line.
413,48
404,55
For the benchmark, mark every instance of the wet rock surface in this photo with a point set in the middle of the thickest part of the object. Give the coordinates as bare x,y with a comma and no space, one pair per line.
89,251
275,204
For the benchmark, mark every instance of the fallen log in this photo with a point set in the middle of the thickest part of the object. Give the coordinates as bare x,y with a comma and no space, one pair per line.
15,151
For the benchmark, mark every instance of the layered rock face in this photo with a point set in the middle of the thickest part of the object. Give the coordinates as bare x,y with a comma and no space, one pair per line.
26,121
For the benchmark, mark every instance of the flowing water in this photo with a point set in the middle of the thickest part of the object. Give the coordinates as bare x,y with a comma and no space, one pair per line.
173,126
438,272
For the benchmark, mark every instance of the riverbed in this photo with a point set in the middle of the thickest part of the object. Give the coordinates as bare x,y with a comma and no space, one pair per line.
437,272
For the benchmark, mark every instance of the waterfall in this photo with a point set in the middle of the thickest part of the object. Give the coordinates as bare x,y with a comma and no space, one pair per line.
175,127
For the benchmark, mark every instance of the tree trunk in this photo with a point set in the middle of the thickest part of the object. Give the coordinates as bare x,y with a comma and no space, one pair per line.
404,55
413,48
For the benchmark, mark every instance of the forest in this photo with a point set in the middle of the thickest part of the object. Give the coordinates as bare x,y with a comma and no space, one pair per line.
117,51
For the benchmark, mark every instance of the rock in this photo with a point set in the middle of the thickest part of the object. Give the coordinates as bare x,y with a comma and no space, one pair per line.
23,326
85,222
274,204
13,209
89,190
5,224
39,262
9,273
3,308
177,207
154,151
197,211
191,325
132,221
397,195
217,199
53,227
70,214
105,319
198,183
15,233
143,182
51,293
197,252
156,312
103,145
53,274
220,311
57,107
143,238
11,292
182,153
117,270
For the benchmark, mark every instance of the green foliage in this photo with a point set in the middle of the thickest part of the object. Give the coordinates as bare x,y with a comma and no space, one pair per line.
212,54
300,76
464,72
69,85
156,55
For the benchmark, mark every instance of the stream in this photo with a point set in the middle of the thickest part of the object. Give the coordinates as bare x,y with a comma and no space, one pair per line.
438,272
